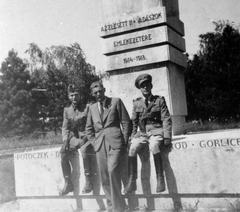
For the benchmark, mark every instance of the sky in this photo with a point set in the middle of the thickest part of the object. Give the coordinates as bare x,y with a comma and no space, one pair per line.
63,22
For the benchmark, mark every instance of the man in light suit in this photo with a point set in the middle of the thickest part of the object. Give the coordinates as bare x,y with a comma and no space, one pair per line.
74,137
108,129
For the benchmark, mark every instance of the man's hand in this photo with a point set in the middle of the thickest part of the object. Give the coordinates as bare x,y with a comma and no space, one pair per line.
77,119
65,147
81,142
166,145
167,141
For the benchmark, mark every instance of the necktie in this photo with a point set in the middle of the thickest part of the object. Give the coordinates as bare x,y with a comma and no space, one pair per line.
146,102
101,110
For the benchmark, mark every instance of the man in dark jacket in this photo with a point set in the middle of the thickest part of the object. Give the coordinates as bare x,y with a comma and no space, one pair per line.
150,114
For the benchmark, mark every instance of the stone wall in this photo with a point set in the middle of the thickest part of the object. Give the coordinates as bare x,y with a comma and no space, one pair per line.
201,168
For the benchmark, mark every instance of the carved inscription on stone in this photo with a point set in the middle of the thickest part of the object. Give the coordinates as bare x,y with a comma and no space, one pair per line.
36,155
126,23
206,144
146,56
143,38
133,40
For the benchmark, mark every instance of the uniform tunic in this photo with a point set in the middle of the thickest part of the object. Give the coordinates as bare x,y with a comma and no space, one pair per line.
154,123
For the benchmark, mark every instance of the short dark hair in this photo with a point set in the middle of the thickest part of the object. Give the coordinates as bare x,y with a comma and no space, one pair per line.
96,84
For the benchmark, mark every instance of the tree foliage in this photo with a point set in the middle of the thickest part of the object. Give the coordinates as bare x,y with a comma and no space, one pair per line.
58,67
36,90
17,111
213,75
64,65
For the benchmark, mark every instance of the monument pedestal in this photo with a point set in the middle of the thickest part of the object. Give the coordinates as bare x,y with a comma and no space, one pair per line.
145,37
167,81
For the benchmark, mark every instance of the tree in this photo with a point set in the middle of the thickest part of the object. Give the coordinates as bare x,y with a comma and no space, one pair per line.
34,91
17,112
212,76
58,67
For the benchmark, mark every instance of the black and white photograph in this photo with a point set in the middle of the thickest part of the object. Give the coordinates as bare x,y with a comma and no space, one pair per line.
119,106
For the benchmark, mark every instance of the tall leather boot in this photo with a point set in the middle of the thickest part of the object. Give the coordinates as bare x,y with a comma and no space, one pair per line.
159,172
68,187
88,187
66,170
132,171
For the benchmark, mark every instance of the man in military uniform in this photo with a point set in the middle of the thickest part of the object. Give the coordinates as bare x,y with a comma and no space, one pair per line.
73,135
151,115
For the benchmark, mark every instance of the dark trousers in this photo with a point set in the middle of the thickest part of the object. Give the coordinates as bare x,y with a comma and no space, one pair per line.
89,157
71,167
109,166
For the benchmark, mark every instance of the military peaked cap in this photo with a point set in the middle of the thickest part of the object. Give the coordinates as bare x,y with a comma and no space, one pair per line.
142,78
72,89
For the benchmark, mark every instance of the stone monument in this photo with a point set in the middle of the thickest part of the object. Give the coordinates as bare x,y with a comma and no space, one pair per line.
145,36
202,170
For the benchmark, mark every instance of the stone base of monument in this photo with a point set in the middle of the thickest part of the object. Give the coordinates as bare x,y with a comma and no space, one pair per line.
202,173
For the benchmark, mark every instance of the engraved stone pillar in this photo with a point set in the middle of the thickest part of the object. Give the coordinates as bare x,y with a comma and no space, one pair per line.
145,36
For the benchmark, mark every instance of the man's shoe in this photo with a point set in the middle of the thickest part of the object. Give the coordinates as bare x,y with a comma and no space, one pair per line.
131,186
160,184
159,172
88,186
68,187
132,170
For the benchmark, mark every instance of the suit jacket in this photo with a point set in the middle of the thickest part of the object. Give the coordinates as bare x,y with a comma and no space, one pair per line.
114,127
73,128
154,119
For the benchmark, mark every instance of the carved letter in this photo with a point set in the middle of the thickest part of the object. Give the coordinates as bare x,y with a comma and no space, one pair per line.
202,144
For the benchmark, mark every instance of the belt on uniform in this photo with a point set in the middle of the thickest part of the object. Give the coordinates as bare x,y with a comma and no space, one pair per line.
149,122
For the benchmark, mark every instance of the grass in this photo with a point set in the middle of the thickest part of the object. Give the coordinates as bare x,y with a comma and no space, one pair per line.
191,127
234,206
142,208
30,141
190,208
51,139
187,207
